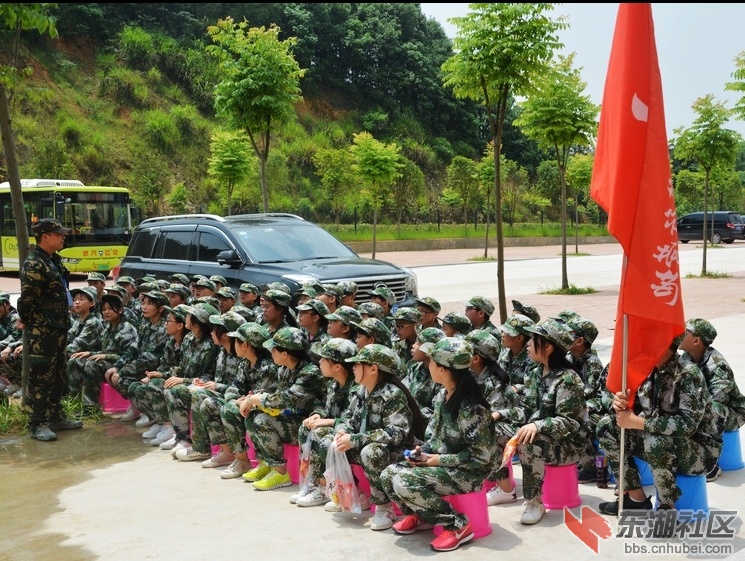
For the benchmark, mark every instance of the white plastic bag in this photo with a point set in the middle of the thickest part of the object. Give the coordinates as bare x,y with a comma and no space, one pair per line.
340,485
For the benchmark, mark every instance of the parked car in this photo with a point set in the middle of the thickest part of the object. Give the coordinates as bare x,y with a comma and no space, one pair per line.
256,248
727,227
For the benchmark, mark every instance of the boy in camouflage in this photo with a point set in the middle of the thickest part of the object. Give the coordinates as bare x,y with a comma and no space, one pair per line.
417,378
11,346
84,335
514,358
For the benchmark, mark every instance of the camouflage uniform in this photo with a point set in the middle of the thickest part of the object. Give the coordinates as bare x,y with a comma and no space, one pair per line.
418,380
298,392
402,347
85,335
10,337
465,445
149,398
44,309
379,423
681,429
517,367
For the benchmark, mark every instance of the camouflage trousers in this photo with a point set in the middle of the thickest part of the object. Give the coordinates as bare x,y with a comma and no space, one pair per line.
420,490
543,451
503,432
234,425
178,401
374,458
44,351
666,455
149,399
587,461
317,460
269,434
12,369
731,423
84,378
206,424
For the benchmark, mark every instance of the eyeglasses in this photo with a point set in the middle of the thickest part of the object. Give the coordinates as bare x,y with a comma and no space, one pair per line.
173,321
468,308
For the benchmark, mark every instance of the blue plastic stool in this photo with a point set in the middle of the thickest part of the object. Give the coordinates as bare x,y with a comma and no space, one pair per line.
645,472
694,495
731,457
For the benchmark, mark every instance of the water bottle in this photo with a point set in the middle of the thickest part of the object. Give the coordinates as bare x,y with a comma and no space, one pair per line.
601,469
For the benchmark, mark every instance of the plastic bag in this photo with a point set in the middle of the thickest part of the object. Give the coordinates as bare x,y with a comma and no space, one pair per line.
305,473
340,486
509,451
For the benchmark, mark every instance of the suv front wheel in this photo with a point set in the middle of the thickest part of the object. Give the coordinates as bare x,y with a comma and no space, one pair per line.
716,238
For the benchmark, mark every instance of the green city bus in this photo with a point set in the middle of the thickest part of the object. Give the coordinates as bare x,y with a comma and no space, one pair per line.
99,220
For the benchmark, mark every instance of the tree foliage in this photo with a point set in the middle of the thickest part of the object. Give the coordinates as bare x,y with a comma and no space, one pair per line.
229,164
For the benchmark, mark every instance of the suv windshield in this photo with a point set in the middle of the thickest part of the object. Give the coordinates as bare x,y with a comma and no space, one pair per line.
274,242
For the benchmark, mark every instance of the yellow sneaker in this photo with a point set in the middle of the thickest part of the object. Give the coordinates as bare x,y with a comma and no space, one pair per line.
257,473
273,480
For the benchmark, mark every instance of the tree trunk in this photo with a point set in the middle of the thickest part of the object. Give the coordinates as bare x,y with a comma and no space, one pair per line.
375,229
264,187
564,277
707,229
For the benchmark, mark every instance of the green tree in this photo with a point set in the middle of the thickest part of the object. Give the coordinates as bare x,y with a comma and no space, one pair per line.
708,144
738,86
378,166
514,184
229,164
461,177
502,50
560,118
334,167
259,86
18,18
407,189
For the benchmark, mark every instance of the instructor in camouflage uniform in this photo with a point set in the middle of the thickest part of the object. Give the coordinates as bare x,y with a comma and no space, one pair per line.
44,309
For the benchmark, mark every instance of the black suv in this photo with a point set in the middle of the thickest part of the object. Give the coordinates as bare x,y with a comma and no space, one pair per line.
728,227
255,248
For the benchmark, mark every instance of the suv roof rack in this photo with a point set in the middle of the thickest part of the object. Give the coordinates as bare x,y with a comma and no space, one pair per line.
268,214
214,217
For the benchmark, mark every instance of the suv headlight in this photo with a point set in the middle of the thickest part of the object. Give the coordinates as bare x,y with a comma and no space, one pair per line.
410,285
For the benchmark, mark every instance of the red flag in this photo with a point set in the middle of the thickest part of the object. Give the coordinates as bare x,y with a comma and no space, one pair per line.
631,181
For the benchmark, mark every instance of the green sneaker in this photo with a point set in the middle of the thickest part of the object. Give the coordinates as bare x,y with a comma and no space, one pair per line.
273,480
257,473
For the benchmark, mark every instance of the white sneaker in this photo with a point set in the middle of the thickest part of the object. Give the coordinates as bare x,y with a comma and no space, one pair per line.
152,432
314,497
165,434
384,517
496,496
301,493
143,421
533,513
236,469
180,444
132,414
168,444
219,460
331,506
191,455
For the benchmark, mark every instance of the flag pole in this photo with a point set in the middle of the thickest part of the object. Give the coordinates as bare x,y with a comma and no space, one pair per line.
622,449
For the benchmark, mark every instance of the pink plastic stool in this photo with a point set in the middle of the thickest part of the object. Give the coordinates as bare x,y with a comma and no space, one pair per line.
292,459
475,507
561,487
251,452
111,401
363,486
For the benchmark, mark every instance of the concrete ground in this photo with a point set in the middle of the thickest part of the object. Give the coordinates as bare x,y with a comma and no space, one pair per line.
71,501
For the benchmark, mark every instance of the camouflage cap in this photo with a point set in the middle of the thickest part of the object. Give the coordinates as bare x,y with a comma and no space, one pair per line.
380,355
332,290
457,321
582,327
180,277
382,291
146,278
207,283
430,335
202,311
179,312
97,277
211,300
336,349
288,338
526,310
196,278
375,328
484,344
282,287
5,296
158,296
219,278
347,287
517,324
702,329
247,313
453,352
179,289
125,280
481,303
252,333
345,314
116,289
225,292
89,291
371,309
147,287
309,291
278,297
48,226
430,303
248,287
162,284
409,315
113,300
230,320
316,306
555,330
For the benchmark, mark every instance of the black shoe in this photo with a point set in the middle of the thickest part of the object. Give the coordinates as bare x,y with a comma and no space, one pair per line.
611,507
714,474
587,476
65,424
43,432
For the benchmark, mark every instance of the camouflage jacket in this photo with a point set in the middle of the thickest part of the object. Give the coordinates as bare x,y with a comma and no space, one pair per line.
501,397
84,335
421,386
555,402
9,332
44,296
151,340
466,442
260,378
589,367
300,390
403,349
494,330
517,367
171,356
226,369
722,386
117,340
198,357
383,416
337,398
